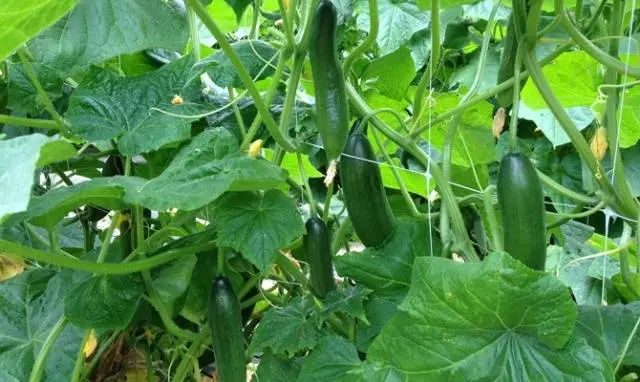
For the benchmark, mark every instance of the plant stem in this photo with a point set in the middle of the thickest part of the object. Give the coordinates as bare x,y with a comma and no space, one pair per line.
496,237
138,220
583,42
10,249
190,357
46,124
434,60
287,22
368,41
283,141
39,364
292,89
79,364
413,210
618,178
104,250
569,193
251,301
342,231
454,124
306,186
42,95
533,17
194,33
284,55
625,272
248,285
237,114
168,322
287,267
327,202
513,125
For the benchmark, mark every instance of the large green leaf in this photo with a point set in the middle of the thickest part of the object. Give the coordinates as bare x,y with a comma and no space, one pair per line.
23,19
474,142
257,56
195,307
574,78
103,302
398,22
100,29
607,329
257,224
48,209
277,368
582,117
391,74
289,329
202,171
22,93
467,73
172,281
495,320
334,359
388,269
108,107
17,176
630,124
238,6
347,300
29,308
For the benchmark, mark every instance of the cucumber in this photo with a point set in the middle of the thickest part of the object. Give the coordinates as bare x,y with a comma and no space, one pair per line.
332,105
509,55
317,247
226,328
363,191
522,207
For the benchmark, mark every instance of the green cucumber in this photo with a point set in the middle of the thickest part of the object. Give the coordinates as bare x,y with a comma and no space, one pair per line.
363,191
226,328
317,247
332,105
522,206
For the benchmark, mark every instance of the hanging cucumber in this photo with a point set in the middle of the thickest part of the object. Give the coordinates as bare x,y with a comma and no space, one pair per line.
364,195
332,106
522,207
516,27
317,246
226,328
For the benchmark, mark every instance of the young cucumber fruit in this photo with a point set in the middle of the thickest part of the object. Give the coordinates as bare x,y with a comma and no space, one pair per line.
226,328
317,247
332,106
363,191
522,207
